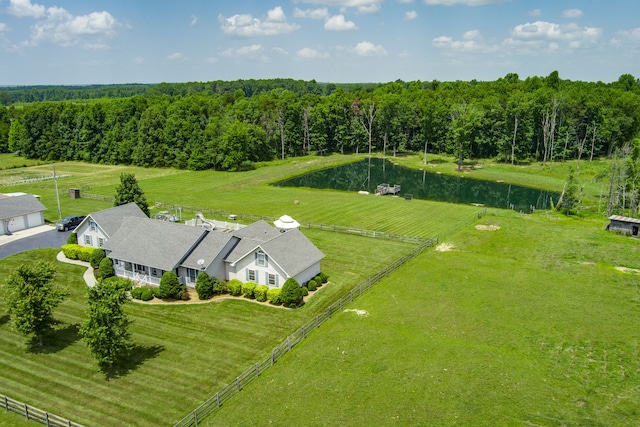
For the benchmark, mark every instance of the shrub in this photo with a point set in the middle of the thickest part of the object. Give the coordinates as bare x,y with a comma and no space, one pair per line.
235,287
248,289
147,293
136,293
219,286
72,239
323,278
261,293
204,286
105,269
273,295
305,291
170,286
119,282
96,256
312,285
70,250
85,253
291,294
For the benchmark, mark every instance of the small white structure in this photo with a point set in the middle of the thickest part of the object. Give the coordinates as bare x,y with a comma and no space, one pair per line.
19,211
285,222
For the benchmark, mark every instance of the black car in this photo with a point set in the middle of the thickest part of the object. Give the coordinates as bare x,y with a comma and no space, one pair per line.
69,223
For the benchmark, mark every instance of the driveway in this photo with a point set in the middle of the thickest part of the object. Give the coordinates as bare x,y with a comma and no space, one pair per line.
45,239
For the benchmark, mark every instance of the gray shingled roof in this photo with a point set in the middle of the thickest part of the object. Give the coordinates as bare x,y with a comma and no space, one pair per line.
109,219
19,205
291,250
260,230
208,249
153,243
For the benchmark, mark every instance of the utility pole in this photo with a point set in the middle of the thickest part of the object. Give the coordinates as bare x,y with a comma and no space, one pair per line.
55,180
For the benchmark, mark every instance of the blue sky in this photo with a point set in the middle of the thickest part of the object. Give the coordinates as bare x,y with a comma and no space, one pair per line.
136,41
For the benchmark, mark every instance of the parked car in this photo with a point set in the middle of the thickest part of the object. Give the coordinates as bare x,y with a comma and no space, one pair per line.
69,223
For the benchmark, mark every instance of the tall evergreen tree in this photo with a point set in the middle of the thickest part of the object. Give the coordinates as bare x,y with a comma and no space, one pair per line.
129,191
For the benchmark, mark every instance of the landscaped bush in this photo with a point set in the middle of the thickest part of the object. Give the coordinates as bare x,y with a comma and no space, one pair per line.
136,293
248,289
75,251
72,239
147,293
219,286
273,295
312,285
119,282
235,287
305,291
170,286
323,278
291,294
261,293
105,269
204,286
96,256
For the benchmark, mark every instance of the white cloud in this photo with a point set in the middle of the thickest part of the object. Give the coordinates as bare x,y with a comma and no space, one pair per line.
24,8
138,60
279,51
411,15
345,3
309,53
194,20
572,13
404,1
338,23
541,30
369,49
463,2
321,13
176,57
370,9
246,25
3,27
244,51
64,29
534,13
627,38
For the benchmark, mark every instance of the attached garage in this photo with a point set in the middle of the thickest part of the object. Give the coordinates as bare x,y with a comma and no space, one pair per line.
20,211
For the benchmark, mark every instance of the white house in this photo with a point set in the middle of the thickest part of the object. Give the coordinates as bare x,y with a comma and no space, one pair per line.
19,211
99,226
143,249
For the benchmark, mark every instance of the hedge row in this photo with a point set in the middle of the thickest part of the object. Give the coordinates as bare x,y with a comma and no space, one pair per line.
83,253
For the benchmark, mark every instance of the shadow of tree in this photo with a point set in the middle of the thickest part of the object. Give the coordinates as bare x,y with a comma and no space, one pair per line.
56,340
132,359
4,319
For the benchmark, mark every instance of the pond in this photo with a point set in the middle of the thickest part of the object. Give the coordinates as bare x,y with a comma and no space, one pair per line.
366,175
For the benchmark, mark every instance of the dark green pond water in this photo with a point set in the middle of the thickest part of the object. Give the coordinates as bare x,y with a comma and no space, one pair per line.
424,185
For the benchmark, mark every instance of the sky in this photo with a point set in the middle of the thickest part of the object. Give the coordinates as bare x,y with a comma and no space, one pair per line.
74,42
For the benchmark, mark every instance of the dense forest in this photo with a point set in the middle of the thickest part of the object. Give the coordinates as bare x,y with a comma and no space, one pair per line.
231,125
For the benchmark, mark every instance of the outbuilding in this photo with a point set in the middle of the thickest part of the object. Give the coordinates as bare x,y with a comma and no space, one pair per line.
623,224
19,211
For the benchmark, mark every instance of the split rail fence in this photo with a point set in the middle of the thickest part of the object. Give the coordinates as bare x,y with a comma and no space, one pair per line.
35,414
292,340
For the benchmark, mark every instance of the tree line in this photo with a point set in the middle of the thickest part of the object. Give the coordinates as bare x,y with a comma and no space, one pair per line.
185,126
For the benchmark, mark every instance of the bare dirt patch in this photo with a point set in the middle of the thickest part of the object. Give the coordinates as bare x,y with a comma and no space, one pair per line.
359,312
444,247
628,270
485,227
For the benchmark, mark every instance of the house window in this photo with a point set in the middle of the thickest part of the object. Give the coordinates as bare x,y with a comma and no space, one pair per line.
100,242
192,274
92,225
251,275
272,279
154,272
128,266
87,239
261,259
140,269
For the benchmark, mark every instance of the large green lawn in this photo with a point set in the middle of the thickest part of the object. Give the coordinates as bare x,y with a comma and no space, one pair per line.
528,325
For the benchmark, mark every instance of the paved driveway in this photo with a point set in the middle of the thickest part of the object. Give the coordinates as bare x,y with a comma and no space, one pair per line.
48,239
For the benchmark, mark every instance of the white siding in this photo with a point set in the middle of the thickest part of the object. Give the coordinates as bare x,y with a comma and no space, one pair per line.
305,275
248,262
85,230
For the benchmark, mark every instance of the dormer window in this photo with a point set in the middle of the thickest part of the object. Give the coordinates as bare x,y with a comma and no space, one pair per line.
92,225
261,259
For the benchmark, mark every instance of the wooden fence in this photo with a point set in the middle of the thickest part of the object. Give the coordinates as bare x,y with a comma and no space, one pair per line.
35,414
292,340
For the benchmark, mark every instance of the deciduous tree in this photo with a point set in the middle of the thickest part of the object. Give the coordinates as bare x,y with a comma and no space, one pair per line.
31,298
129,191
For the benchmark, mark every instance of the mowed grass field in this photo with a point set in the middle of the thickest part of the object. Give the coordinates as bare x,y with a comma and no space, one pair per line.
527,325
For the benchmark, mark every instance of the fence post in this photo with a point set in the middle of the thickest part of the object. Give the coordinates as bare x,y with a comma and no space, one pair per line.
6,404
26,410
218,399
